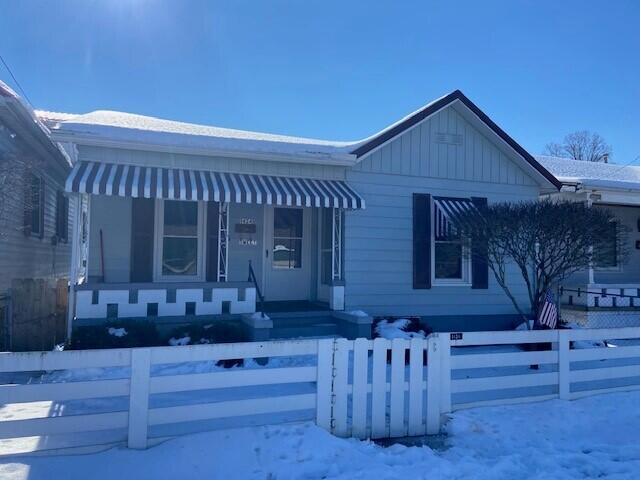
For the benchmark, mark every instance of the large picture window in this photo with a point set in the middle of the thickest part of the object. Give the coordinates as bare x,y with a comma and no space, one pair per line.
180,232
287,238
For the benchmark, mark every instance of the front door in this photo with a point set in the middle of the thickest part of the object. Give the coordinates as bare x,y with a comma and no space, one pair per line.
287,254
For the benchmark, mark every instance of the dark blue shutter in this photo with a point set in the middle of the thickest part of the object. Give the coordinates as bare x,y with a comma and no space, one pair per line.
142,219
421,241
479,261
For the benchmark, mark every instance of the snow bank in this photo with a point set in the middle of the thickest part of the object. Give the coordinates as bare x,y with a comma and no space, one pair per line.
594,437
117,332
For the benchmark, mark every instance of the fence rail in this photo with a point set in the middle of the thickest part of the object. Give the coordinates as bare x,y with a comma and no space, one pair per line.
362,388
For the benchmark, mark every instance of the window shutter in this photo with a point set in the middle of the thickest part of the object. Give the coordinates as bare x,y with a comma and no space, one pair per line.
59,215
65,219
142,231
28,205
421,241
41,207
479,262
213,212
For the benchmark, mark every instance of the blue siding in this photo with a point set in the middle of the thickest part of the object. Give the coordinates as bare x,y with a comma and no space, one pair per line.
378,240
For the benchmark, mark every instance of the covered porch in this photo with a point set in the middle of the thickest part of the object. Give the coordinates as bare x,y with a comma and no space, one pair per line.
608,295
177,245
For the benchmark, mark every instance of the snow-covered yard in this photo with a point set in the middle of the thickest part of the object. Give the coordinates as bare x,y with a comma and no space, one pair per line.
596,437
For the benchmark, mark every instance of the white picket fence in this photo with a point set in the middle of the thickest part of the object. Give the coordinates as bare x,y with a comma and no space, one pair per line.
363,388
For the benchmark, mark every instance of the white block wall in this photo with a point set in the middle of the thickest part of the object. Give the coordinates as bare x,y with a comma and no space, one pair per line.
86,309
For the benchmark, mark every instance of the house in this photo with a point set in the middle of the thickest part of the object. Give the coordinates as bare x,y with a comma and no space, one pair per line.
205,222
606,295
34,228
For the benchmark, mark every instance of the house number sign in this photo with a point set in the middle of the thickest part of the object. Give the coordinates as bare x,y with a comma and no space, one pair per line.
246,228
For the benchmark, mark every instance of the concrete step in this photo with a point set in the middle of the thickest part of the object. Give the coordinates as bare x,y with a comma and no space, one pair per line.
302,321
305,331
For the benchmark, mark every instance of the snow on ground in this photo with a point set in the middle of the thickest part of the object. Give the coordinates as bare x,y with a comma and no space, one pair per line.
596,437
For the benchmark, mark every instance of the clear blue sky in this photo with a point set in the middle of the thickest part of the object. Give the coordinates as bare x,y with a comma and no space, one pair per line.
339,70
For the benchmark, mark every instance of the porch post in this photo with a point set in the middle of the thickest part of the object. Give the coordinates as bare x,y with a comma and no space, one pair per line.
223,241
590,269
336,242
76,231
336,296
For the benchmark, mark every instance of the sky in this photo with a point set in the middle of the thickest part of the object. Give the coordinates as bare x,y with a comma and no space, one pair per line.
338,70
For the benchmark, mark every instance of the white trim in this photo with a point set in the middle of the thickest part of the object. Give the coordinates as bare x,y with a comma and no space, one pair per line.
158,242
332,159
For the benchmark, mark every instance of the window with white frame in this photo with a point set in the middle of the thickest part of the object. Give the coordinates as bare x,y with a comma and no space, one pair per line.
451,263
179,246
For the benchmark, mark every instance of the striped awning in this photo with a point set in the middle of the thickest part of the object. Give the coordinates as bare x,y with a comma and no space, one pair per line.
450,214
180,184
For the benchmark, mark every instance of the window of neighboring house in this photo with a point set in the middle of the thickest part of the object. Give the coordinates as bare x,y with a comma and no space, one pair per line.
62,217
450,257
181,225
608,258
34,206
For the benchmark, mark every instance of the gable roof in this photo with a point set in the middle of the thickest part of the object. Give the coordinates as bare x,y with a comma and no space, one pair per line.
416,117
110,128
20,116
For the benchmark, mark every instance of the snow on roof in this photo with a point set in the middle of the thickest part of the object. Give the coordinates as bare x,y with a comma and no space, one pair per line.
129,127
597,174
34,121
132,128
54,117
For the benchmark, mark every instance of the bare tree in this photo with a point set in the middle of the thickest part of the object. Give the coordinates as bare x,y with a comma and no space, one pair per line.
582,145
545,241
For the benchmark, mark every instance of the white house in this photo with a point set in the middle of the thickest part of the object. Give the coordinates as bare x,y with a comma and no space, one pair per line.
178,215
606,295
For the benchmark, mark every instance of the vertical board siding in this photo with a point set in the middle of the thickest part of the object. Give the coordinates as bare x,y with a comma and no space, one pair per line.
378,240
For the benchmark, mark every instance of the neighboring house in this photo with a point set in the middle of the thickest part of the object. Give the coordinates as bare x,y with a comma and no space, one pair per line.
606,295
179,213
34,223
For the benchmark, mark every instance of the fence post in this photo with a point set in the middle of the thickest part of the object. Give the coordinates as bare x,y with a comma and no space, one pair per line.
139,397
445,373
433,384
324,384
563,364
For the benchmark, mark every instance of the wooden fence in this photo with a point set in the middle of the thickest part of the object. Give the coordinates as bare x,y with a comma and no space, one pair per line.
363,388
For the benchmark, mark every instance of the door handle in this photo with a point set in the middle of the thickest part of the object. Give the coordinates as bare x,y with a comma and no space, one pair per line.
266,253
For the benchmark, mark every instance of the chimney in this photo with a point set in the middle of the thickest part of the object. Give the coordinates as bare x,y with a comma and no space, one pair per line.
605,158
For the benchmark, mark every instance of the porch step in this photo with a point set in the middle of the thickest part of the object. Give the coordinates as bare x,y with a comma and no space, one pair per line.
304,326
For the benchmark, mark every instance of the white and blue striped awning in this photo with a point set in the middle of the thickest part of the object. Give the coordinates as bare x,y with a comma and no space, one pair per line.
174,183
450,213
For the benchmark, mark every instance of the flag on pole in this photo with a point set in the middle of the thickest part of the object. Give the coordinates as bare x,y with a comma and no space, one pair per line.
549,313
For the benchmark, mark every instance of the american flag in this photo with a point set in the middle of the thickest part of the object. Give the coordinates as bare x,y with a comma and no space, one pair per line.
549,313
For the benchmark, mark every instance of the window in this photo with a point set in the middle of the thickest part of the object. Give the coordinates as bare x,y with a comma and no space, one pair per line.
180,235
62,217
451,262
34,206
607,259
287,238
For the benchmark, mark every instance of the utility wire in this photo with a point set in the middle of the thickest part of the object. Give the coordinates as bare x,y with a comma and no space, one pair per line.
24,94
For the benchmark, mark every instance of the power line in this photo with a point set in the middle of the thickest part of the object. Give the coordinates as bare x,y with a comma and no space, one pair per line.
24,94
